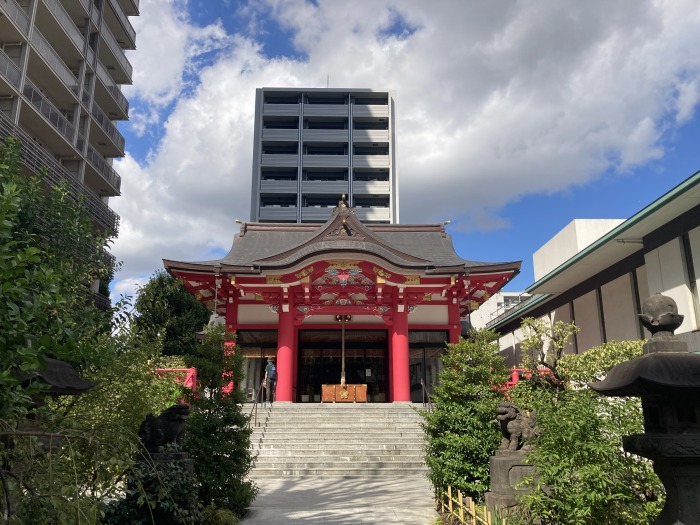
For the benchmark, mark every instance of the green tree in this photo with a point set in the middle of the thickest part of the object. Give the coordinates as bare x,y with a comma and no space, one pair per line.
543,348
49,255
60,458
167,311
584,476
461,433
218,435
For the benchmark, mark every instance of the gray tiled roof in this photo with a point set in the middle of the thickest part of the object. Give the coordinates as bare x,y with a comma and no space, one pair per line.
424,247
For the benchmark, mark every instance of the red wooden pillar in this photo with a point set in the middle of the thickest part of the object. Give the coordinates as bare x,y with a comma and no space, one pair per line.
400,380
232,313
454,321
286,357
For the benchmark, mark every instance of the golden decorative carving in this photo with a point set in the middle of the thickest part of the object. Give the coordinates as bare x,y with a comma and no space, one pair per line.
273,279
381,273
411,279
304,272
343,265
428,297
344,393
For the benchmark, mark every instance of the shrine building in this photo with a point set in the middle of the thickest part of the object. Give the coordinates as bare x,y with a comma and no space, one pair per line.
382,299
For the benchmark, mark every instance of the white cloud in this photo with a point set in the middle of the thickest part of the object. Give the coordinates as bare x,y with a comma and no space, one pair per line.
519,96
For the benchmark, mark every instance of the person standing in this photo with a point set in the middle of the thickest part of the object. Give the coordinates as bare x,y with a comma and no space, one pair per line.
270,379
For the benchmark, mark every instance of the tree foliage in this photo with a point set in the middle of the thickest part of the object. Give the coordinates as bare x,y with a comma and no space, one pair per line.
218,437
49,254
461,433
543,348
60,456
584,476
167,311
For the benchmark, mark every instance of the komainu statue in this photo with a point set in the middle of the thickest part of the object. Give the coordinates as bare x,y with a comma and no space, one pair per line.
517,427
168,427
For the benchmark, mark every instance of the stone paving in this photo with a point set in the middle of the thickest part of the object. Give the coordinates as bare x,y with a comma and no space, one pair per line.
343,501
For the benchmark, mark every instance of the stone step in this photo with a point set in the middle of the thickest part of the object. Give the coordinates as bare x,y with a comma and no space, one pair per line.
331,466
340,472
332,440
338,448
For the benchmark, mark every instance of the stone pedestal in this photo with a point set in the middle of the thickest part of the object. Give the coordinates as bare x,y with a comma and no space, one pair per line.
508,469
676,460
183,458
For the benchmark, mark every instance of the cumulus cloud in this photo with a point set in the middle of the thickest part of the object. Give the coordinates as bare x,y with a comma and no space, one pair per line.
519,96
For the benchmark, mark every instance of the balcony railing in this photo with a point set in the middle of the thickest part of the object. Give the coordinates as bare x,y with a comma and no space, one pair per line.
9,70
372,214
37,160
370,187
325,161
280,134
113,88
325,110
105,169
15,13
316,213
280,161
57,65
117,51
326,135
370,135
278,186
284,110
278,213
370,161
370,111
123,20
66,22
325,186
106,124
46,108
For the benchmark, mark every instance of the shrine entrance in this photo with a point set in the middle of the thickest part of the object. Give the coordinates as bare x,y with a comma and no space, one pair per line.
366,362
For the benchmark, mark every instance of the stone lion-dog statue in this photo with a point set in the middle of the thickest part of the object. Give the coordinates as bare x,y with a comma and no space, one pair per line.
517,427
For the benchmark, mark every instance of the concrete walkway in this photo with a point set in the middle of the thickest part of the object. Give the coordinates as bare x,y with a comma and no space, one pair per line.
342,501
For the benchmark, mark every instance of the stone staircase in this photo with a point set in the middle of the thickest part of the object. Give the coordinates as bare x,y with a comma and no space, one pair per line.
338,440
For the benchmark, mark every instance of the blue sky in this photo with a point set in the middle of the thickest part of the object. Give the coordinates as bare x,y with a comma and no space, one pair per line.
513,117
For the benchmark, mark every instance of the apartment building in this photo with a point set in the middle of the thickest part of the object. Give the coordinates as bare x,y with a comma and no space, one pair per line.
62,63
312,146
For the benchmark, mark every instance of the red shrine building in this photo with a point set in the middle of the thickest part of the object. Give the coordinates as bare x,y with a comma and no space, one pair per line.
379,299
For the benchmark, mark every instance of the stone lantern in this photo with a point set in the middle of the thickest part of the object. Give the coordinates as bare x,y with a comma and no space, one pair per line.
667,378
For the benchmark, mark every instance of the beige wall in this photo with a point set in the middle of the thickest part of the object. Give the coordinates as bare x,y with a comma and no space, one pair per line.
666,275
619,310
586,318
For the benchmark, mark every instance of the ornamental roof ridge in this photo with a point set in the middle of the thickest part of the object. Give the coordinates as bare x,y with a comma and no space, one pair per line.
345,229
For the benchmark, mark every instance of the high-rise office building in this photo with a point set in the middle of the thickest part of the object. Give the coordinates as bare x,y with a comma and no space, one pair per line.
312,146
62,63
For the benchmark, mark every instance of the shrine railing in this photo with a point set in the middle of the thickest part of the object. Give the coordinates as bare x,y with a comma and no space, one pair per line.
463,509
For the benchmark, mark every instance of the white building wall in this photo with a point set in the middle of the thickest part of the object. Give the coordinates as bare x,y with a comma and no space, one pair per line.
422,314
573,238
563,314
587,319
619,310
666,275
257,314
694,236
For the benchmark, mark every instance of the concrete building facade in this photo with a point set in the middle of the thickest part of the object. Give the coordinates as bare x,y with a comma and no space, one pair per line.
62,65
596,273
311,146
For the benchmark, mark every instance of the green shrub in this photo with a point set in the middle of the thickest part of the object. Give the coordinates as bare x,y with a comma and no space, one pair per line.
157,492
461,433
584,475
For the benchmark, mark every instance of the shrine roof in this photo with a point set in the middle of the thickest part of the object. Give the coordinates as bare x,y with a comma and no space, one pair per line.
270,246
